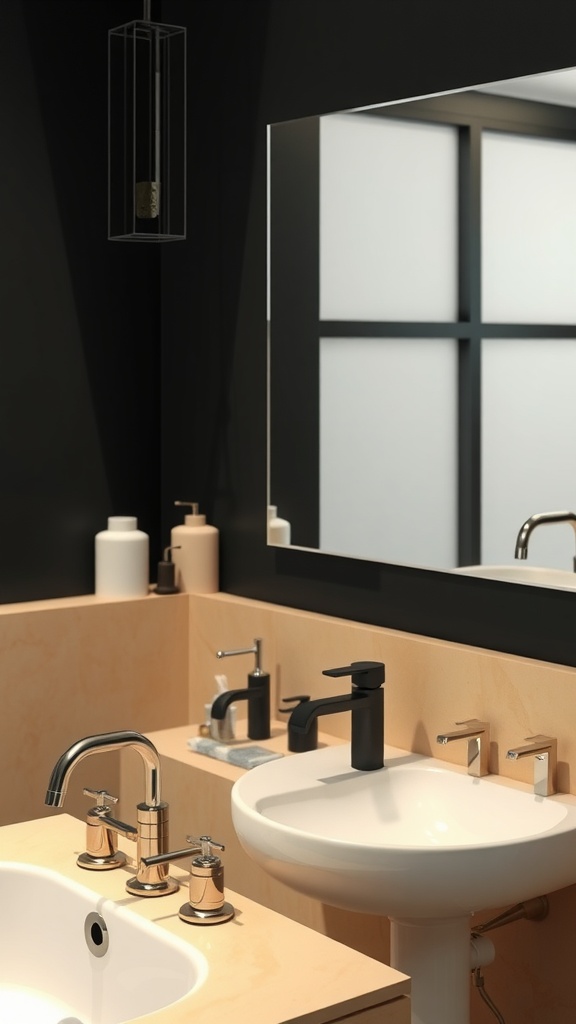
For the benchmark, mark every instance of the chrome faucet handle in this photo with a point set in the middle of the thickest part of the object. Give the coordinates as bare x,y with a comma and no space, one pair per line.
102,831
206,887
103,799
205,844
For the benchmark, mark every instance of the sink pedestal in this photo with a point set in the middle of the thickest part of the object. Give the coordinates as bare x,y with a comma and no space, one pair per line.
436,954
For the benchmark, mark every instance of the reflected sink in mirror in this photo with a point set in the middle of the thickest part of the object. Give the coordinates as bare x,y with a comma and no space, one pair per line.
68,954
416,839
535,575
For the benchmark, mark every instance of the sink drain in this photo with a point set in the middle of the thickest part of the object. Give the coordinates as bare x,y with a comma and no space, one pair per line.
97,938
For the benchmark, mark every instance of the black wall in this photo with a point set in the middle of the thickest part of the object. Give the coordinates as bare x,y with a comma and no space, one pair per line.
79,316
133,375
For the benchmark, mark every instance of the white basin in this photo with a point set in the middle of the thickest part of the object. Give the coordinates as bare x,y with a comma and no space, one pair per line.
416,839
535,575
51,973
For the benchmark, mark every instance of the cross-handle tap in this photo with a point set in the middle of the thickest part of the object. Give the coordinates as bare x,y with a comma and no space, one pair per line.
365,701
102,831
544,750
478,735
151,833
206,884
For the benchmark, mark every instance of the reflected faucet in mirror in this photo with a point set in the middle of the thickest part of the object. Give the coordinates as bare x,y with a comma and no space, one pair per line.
536,520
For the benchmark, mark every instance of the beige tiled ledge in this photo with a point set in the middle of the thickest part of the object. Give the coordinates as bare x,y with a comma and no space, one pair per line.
261,966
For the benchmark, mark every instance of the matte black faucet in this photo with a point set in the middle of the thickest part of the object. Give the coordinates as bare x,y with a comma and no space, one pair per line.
365,701
257,694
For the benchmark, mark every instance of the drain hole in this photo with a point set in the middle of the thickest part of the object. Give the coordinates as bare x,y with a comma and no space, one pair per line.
96,934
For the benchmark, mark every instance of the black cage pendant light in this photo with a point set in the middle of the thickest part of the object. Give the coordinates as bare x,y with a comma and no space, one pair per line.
147,131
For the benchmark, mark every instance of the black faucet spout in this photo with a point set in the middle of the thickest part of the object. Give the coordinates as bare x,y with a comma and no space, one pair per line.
224,700
302,716
258,696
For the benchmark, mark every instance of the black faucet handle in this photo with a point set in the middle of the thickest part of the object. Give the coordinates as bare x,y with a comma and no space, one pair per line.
300,698
366,675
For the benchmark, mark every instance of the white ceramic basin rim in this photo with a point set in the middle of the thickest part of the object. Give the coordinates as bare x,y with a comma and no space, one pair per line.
419,838
535,575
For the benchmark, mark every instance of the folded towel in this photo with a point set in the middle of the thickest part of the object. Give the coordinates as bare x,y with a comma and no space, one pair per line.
242,757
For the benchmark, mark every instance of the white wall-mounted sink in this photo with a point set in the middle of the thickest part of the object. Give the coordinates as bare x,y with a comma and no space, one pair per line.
419,838
418,841
51,971
535,575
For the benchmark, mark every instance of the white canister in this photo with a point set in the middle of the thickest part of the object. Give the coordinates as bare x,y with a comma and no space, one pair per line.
122,567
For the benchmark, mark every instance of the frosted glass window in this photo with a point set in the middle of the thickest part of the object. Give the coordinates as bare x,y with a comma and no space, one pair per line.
388,219
529,229
388,449
528,447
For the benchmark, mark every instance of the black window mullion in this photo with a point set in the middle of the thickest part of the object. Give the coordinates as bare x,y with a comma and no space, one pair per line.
469,347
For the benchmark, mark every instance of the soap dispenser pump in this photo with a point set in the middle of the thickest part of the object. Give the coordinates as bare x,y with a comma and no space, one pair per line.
196,557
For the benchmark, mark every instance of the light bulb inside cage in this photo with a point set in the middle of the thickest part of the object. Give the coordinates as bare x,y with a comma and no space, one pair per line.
147,132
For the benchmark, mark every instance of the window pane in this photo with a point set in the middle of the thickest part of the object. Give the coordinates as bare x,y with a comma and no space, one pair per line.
388,449
528,441
529,229
388,219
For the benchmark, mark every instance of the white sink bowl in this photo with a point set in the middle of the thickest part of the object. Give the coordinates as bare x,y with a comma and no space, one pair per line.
535,575
416,839
51,973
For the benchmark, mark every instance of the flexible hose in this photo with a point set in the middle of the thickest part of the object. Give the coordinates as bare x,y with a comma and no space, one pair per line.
479,983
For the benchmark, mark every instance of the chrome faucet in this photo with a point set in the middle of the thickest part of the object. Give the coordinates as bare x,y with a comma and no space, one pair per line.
544,751
365,701
536,520
478,735
151,834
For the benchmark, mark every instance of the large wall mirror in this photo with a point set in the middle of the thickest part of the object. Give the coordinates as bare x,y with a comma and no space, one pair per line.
422,328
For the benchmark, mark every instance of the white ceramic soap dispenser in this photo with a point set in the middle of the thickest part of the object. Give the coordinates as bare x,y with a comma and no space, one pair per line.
195,553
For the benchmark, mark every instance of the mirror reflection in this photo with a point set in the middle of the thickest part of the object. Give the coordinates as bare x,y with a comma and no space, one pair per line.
422,259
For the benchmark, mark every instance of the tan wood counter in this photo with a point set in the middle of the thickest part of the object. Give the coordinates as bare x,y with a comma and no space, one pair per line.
263,967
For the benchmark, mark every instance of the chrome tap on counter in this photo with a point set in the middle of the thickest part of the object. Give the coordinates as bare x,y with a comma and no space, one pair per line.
478,735
206,903
544,751
151,833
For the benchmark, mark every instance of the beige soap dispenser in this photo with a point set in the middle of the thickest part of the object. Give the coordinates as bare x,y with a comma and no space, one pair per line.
195,553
